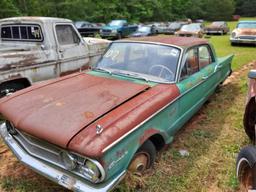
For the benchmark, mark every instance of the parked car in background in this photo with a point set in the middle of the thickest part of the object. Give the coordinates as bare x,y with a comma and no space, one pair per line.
144,30
87,29
38,48
244,33
161,27
117,29
191,30
246,160
174,26
85,130
217,27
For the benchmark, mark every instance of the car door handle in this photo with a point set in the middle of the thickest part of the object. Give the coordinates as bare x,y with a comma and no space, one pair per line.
205,77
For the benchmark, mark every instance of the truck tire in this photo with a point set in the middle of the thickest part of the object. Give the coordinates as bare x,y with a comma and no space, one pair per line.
144,158
119,35
246,167
9,88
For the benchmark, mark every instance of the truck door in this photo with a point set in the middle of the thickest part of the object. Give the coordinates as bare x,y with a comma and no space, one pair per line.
73,52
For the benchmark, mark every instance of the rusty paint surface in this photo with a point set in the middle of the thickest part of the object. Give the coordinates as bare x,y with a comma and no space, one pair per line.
178,41
250,32
122,119
58,111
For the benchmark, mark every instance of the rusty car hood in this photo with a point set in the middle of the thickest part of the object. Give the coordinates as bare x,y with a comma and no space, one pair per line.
245,31
57,110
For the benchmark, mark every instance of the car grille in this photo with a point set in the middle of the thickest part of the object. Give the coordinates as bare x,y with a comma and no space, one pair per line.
39,148
45,151
248,37
106,31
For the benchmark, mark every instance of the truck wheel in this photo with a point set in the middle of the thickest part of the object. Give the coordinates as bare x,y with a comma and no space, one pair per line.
246,168
10,88
144,158
119,36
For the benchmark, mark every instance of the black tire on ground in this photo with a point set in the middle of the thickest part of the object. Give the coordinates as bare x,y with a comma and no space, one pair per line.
233,44
144,158
10,87
246,167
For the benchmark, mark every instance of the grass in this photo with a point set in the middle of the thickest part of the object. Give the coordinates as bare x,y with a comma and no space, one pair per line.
213,138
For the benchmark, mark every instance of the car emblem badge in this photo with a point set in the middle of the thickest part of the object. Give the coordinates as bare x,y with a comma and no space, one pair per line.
99,129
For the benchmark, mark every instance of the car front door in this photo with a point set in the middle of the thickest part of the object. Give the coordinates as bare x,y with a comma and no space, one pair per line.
73,53
191,86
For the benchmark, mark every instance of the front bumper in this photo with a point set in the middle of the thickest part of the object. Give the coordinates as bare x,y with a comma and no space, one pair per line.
245,41
58,175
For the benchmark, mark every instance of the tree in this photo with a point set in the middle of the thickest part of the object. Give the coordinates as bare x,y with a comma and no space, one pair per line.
8,9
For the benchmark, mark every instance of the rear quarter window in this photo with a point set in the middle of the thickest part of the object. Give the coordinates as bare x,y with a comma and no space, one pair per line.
21,32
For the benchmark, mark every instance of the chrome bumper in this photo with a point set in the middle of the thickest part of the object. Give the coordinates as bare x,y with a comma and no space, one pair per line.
58,175
247,41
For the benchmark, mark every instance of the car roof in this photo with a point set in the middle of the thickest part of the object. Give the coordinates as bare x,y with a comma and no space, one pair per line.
177,41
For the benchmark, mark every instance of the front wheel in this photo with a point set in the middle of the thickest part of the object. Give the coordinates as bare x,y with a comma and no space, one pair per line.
246,168
144,158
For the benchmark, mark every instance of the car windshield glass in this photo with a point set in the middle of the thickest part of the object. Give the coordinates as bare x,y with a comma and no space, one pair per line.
191,27
246,25
144,29
116,23
217,23
141,60
174,25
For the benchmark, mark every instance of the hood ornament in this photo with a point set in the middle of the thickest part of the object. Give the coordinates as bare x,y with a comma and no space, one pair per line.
99,129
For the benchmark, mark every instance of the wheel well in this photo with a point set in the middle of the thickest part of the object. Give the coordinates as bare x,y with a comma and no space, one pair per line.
250,118
23,81
158,141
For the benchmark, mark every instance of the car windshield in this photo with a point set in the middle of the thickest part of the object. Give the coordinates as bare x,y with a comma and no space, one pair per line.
144,29
147,61
80,24
191,27
116,23
217,23
246,25
174,25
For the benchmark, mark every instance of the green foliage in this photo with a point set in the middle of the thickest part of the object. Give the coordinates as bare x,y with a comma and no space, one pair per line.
133,10
246,7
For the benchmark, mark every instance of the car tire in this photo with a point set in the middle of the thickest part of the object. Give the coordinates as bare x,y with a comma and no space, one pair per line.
249,119
10,88
144,158
246,167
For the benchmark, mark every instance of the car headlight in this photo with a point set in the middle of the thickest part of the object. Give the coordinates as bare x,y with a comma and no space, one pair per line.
68,160
233,35
114,31
90,169
101,30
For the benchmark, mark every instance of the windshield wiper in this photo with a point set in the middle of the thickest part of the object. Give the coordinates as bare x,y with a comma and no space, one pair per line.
103,69
137,76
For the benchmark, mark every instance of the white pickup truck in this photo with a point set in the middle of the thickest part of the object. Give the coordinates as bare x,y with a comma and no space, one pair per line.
39,48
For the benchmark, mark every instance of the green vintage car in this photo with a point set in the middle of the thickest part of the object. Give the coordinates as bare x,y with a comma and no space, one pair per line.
85,130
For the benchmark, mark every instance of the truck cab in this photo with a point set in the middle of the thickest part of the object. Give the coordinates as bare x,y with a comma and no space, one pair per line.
39,48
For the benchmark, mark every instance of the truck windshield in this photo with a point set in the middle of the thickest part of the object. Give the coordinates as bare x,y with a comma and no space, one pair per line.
147,60
21,32
116,23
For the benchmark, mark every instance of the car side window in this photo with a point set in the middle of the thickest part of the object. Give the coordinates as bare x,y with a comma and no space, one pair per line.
205,57
191,65
66,35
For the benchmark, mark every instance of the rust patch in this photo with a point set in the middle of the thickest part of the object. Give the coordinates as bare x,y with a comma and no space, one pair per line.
88,115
